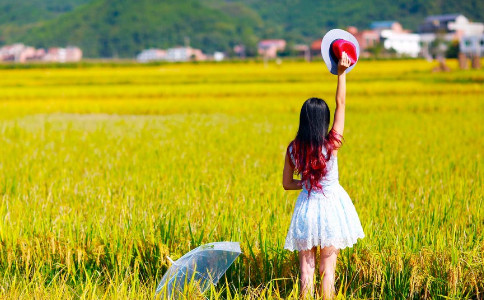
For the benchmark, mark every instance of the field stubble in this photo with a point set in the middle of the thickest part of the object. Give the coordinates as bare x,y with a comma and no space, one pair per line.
105,171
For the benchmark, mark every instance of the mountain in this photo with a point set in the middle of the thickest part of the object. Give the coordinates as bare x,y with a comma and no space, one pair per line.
311,18
121,28
18,16
21,12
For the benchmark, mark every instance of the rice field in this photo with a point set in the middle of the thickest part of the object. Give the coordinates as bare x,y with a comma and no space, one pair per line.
106,170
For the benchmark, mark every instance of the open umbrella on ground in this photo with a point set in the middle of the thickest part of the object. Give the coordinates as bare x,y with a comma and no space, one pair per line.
203,265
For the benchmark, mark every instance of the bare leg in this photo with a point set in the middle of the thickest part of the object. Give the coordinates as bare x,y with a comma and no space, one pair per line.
327,268
307,263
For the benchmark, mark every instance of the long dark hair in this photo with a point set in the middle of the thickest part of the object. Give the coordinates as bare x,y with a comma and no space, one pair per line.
312,136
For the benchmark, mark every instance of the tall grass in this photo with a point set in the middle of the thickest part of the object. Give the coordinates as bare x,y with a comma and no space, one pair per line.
106,171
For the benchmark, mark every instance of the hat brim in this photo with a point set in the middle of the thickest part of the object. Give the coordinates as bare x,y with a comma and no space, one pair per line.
330,60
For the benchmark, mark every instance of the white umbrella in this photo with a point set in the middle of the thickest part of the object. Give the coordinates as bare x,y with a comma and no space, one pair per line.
205,264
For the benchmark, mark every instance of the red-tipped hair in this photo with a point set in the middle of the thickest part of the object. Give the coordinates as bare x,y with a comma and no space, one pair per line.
309,160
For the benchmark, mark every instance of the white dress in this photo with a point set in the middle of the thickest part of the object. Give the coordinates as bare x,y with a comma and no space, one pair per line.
325,218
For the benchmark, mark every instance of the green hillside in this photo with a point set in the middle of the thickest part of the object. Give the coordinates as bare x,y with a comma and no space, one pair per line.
21,12
308,17
303,20
121,28
106,28
18,16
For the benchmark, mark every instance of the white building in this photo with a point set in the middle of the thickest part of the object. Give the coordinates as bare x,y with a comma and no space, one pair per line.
404,44
218,56
176,54
472,45
184,54
462,27
148,55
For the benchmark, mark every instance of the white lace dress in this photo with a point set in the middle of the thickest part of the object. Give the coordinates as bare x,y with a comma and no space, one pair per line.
325,218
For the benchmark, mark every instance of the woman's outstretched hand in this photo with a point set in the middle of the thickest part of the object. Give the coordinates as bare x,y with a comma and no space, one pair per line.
343,63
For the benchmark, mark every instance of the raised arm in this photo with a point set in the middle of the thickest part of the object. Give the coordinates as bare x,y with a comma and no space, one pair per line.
339,113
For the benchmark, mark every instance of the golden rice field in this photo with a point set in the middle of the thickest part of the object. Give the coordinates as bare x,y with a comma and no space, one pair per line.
106,170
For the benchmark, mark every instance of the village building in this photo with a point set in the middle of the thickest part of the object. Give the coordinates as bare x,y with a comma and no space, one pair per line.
69,54
451,26
472,45
148,55
21,53
394,37
218,56
269,48
239,50
177,54
366,39
403,43
302,50
448,28
184,54
379,26
463,27
315,48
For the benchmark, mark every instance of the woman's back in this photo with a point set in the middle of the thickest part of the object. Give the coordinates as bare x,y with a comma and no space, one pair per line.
331,178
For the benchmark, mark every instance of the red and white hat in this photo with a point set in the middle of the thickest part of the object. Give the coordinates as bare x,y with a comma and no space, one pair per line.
334,43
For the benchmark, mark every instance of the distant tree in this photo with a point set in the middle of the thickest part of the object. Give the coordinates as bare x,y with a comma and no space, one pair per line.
376,50
379,51
452,50
438,47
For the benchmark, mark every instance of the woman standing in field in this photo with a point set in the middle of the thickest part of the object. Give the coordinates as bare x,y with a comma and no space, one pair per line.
324,215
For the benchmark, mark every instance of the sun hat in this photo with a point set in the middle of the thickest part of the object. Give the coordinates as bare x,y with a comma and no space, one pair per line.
334,43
